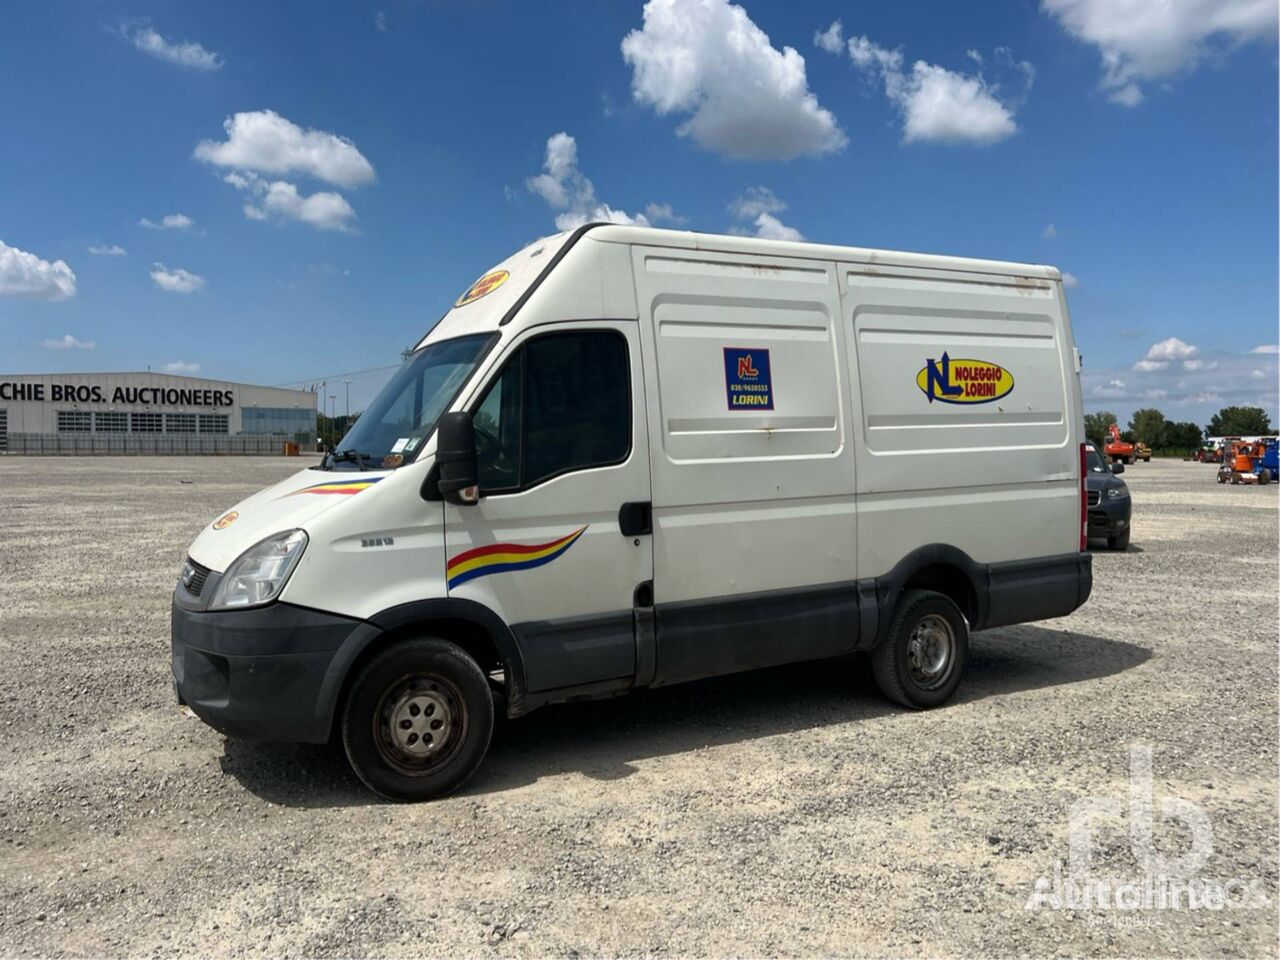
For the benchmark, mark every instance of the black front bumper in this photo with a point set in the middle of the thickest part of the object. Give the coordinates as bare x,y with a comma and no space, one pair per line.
1109,518
258,674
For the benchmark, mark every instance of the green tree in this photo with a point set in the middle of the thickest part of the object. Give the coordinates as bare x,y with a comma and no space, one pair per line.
1239,422
1149,425
1096,426
1184,436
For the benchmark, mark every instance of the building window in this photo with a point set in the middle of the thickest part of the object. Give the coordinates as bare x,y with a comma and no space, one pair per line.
146,423
111,423
279,421
179,423
4,429
213,423
74,421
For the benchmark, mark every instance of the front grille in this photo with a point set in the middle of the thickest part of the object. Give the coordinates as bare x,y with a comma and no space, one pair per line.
1094,497
193,577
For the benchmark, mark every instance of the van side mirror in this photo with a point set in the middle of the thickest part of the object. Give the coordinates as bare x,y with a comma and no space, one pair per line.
459,481
1117,468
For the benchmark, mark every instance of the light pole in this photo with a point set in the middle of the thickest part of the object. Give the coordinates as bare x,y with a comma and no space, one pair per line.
333,431
347,381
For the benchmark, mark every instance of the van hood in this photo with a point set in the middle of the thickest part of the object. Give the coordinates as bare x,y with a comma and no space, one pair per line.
288,505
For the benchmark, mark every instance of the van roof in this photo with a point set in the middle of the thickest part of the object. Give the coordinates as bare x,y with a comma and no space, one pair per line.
519,275
732,243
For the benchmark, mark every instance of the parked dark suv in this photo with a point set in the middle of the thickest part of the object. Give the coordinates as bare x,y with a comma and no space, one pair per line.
1109,504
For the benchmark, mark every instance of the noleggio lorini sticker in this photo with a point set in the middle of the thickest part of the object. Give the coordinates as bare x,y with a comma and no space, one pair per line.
964,381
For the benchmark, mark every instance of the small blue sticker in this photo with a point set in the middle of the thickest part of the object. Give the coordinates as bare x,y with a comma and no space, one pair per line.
747,380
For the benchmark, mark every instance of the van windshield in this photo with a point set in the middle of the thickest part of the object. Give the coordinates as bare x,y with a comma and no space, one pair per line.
393,428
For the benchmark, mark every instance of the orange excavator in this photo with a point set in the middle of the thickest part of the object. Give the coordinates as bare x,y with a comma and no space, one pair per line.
1117,450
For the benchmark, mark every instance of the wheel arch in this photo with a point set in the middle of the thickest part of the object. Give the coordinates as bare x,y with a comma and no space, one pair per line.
473,626
940,567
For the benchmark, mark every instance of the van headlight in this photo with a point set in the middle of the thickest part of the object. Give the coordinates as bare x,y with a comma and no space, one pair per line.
260,573
1117,493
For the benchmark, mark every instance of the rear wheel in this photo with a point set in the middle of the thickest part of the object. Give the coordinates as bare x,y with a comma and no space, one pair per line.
418,720
921,659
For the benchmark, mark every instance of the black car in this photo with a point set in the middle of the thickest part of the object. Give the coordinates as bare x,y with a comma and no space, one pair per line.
1109,504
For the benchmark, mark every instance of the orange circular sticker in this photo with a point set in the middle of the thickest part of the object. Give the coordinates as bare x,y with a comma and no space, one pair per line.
490,282
226,520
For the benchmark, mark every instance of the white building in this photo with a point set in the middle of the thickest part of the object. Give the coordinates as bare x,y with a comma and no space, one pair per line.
136,412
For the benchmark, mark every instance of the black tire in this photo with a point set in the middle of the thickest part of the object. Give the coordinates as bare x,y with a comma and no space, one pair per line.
1265,476
894,663
432,685
1119,542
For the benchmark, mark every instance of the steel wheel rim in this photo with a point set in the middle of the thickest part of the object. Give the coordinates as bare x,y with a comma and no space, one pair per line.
420,723
931,651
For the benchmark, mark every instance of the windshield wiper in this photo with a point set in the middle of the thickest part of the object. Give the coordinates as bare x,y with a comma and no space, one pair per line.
356,457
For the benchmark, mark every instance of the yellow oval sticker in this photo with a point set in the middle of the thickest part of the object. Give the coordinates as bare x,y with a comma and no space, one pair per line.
490,282
226,520
949,380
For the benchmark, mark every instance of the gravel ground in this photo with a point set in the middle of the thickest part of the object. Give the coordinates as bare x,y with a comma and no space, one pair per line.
784,812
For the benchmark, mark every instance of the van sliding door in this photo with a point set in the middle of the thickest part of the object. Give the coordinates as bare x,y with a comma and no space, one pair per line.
752,467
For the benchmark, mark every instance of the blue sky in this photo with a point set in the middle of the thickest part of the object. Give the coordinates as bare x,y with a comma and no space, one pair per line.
363,163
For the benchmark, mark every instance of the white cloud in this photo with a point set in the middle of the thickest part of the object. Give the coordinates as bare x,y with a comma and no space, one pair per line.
1144,40
943,105
24,274
67,342
771,228
755,201
1070,280
176,280
1171,349
1130,95
567,189
758,205
380,21
1195,386
107,250
1266,348
1050,232
830,39
173,221
324,209
265,142
180,367
186,54
744,98
657,213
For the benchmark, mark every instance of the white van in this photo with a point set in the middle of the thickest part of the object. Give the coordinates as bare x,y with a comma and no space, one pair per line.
631,457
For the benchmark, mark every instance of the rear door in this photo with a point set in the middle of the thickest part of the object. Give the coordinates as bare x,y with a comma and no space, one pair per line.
562,444
754,524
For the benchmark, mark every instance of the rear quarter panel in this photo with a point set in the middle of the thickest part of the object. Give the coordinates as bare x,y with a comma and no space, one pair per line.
954,456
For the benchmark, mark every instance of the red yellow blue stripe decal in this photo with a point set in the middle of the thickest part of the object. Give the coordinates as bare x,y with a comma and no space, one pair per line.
505,557
338,487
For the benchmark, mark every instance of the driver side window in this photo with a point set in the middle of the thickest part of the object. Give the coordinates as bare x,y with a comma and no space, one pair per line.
497,423
561,403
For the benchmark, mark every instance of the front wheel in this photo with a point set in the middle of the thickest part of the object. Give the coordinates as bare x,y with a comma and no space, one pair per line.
1265,476
920,661
1119,542
418,720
